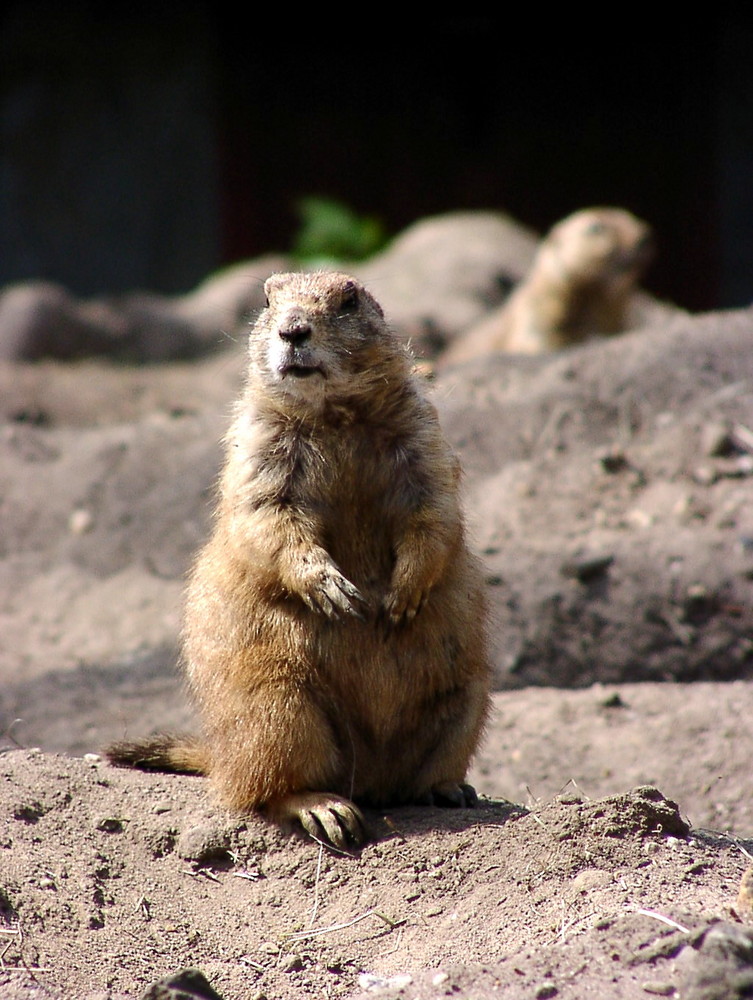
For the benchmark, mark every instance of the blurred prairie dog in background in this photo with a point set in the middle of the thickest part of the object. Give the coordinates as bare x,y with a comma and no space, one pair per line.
580,285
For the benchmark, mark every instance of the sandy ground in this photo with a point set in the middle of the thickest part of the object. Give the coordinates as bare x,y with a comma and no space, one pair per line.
608,490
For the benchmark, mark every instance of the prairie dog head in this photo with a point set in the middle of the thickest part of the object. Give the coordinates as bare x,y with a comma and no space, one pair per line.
607,246
320,335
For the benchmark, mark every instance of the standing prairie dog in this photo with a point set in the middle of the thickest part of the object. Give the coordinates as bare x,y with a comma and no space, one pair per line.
579,286
334,635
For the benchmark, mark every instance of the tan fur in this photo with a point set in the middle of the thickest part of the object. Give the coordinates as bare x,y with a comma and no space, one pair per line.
335,624
579,286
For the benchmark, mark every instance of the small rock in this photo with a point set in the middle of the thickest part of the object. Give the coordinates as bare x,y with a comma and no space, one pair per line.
188,984
640,518
716,440
370,982
705,475
109,824
202,842
613,461
291,963
591,878
614,701
587,568
544,992
29,812
658,989
80,521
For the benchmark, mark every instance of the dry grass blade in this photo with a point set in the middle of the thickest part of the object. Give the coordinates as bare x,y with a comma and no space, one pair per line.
665,920
301,935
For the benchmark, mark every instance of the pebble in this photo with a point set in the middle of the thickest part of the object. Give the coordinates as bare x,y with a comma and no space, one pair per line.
80,521
201,842
368,981
591,878
292,963
110,824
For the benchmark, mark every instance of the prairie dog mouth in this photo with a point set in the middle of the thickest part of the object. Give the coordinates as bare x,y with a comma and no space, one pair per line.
298,370
298,362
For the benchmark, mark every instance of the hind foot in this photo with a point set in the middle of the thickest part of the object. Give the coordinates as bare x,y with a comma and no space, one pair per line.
449,793
325,816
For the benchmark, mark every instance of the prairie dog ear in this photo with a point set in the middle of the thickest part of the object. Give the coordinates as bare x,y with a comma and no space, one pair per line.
273,283
364,294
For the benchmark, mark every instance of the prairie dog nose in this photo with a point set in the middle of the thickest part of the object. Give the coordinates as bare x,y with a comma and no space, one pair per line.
295,329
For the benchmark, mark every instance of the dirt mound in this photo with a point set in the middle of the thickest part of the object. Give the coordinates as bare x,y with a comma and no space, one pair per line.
111,879
608,488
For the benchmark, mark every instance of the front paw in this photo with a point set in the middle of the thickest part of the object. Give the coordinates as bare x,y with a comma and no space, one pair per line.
328,592
402,606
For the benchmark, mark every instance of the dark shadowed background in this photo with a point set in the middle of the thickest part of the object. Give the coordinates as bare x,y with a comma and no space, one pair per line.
144,147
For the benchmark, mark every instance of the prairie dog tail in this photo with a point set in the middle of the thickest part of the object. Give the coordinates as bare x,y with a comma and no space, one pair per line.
180,754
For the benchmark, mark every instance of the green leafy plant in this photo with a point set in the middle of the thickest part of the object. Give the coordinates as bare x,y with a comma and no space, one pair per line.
331,232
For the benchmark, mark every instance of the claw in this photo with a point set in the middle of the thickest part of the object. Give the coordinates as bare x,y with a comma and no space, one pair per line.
351,818
324,816
403,609
334,596
448,793
316,821
471,796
